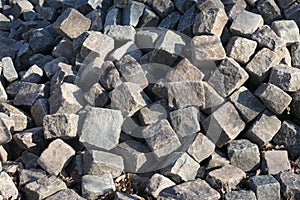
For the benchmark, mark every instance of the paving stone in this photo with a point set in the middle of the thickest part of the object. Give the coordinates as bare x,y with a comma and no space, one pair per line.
273,97
101,132
8,189
210,21
99,162
41,41
265,187
29,93
269,10
154,112
110,78
183,168
212,99
125,196
97,18
132,12
68,98
161,138
266,37
205,48
225,178
222,129
94,186
228,77
146,39
240,195
6,51
129,98
158,183
284,3
16,115
39,109
120,33
185,121
131,71
60,126
287,30
260,65
295,53
29,160
8,68
56,156
34,75
217,160
65,194
162,8
187,20
289,184
233,8
113,17
241,49
276,161
246,103
96,96
44,13
190,190
285,77
64,23
263,128
128,48
43,187
246,23
135,156
244,155
30,175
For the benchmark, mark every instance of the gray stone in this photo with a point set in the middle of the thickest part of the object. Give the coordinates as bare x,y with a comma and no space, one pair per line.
29,160
206,48
208,4
185,121
170,21
269,10
45,13
265,187
289,184
294,106
113,17
183,6
5,136
41,41
226,178
158,183
145,39
11,167
65,23
129,98
101,132
276,161
3,94
273,97
97,18
292,13
295,53
228,77
6,51
161,138
39,109
96,96
132,71
263,128
99,162
128,48
240,195
154,112
132,12
64,49
148,19
212,99
120,33
284,55
52,67
63,74
94,186
241,49
34,75
110,77
210,21
217,160
8,189
246,103
190,190
244,155
29,93
287,30
162,7
43,187
22,7
65,194
183,168
233,8
8,69
125,196
283,4
0,166
30,175
16,115
60,126
260,65
187,20
246,23
56,156
68,98
220,128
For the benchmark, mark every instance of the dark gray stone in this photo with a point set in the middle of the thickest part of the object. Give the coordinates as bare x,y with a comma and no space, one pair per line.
290,185
97,18
187,20
110,77
213,100
96,96
41,41
64,49
132,12
183,6
30,175
39,109
295,53
269,10
162,7
294,106
113,17
265,187
170,21
148,19
34,75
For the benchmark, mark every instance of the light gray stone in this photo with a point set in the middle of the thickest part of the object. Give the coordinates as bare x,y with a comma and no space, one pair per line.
8,189
268,10
5,136
145,39
8,69
276,161
217,160
19,118
208,4
265,187
233,8
213,99
287,30
125,196
158,183
3,94
34,74
162,7
128,48
120,33
96,96
132,12
289,184
154,112
65,194
240,195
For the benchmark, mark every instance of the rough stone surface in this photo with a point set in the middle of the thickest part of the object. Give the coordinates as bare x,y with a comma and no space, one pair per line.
162,7
154,112
132,12
101,128
289,184
294,106
65,194
39,109
213,99
96,96
295,54
148,19
5,136
120,33
110,78
276,161
287,30
30,175
8,69
217,160
56,156
273,97
16,115
240,195
265,187
269,10
29,93
128,48
8,189
34,74
158,183
170,21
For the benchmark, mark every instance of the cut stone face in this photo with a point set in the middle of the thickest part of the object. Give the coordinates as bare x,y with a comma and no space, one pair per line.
295,53
8,189
217,160
128,48
227,177
244,155
65,23
246,23
161,138
41,41
120,33
30,175
228,77
287,30
269,10
223,125
289,184
265,187
273,97
158,183
8,69
276,161
101,128
241,195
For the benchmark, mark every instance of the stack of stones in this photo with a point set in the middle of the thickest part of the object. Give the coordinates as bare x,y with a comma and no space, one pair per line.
150,99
